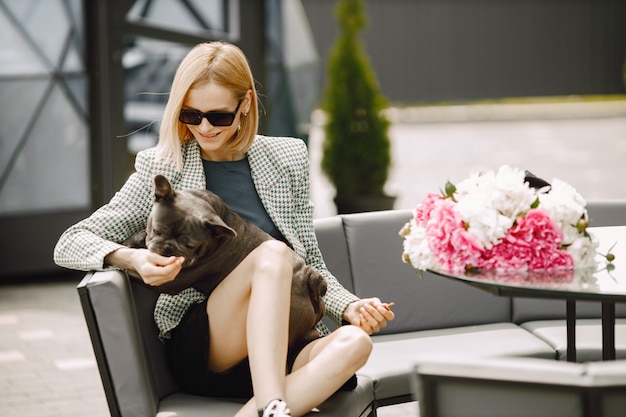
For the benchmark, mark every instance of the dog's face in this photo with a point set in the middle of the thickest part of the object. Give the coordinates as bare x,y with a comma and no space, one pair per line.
183,224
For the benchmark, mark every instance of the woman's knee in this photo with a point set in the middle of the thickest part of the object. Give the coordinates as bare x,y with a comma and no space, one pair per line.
273,255
354,343
272,262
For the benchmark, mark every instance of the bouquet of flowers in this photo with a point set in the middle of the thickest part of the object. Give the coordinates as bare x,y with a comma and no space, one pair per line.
498,221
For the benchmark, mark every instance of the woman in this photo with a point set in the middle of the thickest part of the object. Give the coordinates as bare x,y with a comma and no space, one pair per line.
233,343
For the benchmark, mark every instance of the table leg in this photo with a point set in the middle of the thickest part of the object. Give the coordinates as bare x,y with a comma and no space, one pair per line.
570,311
608,330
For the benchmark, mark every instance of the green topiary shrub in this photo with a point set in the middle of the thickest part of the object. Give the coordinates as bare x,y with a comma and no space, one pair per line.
356,153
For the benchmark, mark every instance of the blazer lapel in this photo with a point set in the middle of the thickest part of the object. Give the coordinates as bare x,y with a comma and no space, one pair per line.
274,191
192,176
265,176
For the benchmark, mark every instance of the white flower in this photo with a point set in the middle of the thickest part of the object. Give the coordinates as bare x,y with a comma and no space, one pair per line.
485,223
583,249
416,247
566,207
490,202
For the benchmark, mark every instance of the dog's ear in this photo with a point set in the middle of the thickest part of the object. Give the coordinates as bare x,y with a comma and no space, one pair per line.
218,227
162,189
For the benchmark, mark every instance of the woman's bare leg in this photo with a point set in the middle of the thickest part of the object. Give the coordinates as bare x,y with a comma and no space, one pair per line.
249,317
321,368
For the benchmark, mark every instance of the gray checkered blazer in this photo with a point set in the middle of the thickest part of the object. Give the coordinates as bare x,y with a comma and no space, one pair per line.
280,172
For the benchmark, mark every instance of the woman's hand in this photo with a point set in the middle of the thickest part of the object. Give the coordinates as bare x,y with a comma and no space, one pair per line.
153,268
370,314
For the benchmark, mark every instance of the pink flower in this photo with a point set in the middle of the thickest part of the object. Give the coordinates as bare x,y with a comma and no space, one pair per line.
536,229
452,246
426,207
534,242
505,255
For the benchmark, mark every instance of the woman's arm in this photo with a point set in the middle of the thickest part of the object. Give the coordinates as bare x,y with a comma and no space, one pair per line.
337,297
85,245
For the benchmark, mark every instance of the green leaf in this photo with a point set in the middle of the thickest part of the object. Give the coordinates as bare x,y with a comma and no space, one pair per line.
535,203
450,189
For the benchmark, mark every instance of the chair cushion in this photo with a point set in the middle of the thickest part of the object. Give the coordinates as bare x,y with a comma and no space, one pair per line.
357,403
588,337
187,405
393,357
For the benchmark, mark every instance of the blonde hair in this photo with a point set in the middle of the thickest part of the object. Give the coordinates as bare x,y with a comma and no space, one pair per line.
219,62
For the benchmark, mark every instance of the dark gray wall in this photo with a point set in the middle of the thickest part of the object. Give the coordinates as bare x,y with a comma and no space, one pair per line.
432,50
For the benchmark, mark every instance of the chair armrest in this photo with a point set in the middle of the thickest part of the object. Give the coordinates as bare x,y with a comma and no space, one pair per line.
496,387
109,310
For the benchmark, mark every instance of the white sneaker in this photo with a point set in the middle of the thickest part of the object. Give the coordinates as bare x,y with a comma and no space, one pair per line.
275,408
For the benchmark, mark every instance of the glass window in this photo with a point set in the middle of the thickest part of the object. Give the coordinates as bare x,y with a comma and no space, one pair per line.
149,67
45,24
52,169
44,141
183,16
16,57
20,102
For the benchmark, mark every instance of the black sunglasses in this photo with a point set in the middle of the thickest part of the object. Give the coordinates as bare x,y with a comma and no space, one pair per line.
216,118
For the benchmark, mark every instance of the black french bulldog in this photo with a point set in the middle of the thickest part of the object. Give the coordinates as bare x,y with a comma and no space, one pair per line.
214,239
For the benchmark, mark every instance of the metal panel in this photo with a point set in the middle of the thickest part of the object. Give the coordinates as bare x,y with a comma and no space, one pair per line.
434,50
